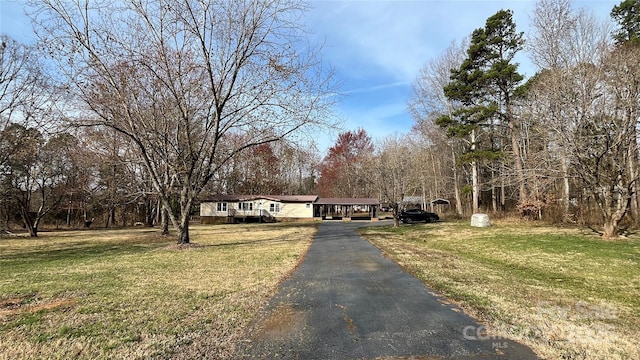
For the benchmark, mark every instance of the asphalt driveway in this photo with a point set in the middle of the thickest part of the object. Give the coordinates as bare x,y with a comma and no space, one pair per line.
347,301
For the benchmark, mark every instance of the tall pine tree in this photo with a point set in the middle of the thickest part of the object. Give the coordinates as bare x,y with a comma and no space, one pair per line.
486,84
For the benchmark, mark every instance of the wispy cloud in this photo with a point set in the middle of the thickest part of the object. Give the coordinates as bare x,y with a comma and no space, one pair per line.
378,48
374,88
395,38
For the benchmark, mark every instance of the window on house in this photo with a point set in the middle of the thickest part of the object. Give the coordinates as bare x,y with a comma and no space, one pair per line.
222,206
308,205
274,208
246,206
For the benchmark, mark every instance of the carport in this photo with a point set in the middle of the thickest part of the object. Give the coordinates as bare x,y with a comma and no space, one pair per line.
439,202
346,209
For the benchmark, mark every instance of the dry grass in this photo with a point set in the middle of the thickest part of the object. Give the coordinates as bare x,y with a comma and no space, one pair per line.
131,294
562,291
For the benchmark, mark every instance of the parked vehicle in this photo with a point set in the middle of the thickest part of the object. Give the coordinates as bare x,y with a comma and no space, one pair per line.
411,216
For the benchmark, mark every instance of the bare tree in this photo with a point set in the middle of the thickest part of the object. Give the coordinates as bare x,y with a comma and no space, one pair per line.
563,38
429,102
178,77
621,70
27,97
394,175
17,77
594,111
553,23
28,101
343,171
37,173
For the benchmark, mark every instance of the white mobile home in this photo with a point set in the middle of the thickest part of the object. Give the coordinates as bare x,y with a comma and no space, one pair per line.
233,208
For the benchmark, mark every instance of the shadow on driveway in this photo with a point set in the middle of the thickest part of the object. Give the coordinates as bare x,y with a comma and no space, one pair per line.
347,301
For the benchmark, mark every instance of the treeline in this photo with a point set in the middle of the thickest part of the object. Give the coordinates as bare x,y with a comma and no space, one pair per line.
560,146
133,118
93,177
131,111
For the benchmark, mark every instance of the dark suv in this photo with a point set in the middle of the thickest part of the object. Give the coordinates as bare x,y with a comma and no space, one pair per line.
411,216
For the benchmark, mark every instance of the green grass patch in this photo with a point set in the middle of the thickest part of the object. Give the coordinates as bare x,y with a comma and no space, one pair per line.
101,294
563,291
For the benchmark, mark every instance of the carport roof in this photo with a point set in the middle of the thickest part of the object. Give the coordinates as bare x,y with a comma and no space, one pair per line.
440,202
347,201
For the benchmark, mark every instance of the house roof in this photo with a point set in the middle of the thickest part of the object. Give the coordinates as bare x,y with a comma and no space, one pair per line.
347,201
294,199
281,198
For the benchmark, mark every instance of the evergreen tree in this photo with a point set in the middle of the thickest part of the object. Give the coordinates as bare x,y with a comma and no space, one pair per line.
627,15
486,84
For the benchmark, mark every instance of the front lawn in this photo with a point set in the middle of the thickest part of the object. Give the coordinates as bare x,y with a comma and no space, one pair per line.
563,291
103,294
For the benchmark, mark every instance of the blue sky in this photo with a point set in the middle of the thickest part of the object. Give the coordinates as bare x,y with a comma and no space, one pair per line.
377,48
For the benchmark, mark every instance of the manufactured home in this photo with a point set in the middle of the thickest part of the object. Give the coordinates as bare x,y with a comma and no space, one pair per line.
222,209
253,208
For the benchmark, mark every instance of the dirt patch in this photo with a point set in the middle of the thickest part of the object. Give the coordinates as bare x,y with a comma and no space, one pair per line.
10,303
347,320
368,264
279,323
411,358
19,305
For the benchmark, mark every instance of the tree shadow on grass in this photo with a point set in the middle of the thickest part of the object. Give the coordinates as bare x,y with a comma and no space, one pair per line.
71,249
82,250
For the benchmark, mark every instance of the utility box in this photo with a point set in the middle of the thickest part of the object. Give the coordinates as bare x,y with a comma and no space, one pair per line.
480,220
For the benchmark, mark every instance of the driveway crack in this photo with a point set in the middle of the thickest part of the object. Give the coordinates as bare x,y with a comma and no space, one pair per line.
348,321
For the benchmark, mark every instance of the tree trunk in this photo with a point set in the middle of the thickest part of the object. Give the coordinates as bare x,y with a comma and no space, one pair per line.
517,158
396,216
566,188
633,163
494,196
435,178
475,192
111,217
164,221
185,214
424,193
69,215
149,211
610,231
614,208
33,231
183,231
456,189
29,224
502,195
